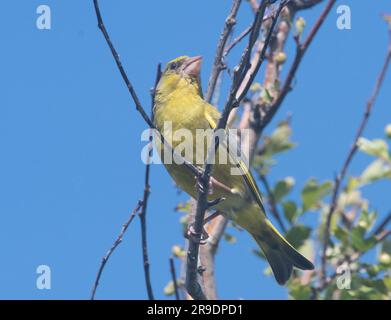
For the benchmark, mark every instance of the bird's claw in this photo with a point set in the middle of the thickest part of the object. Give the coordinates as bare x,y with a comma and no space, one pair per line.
190,233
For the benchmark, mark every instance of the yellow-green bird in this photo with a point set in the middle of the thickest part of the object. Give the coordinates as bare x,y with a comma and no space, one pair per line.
179,101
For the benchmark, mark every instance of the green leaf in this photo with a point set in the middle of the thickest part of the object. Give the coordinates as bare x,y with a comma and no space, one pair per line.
366,219
297,235
300,24
183,207
290,211
386,246
359,241
178,251
169,289
266,96
387,283
298,291
385,255
377,170
365,289
377,147
313,192
279,141
256,86
229,238
342,234
282,188
353,183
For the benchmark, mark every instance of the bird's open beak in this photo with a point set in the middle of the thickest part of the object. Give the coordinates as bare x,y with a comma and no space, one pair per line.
192,66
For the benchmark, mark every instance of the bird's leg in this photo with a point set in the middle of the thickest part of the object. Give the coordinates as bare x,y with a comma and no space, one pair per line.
213,183
216,183
190,233
204,235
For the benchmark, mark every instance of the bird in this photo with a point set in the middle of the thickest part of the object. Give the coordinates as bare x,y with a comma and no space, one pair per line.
179,107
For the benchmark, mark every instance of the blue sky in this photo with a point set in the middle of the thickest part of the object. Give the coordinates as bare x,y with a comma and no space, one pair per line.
70,138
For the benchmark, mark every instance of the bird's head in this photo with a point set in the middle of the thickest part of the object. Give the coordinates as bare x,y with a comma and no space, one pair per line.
181,73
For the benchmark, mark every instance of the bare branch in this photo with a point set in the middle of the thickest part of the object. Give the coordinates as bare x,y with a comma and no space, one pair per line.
383,224
133,94
129,85
243,34
147,191
174,278
114,246
340,177
218,64
253,38
142,210
237,40
300,52
304,4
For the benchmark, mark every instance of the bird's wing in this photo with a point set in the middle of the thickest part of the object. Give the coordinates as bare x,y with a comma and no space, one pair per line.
212,115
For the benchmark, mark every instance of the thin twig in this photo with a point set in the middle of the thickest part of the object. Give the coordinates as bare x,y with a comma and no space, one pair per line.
133,94
267,41
340,177
300,52
272,203
129,85
114,246
174,278
243,34
304,4
236,41
218,64
240,72
147,191
383,224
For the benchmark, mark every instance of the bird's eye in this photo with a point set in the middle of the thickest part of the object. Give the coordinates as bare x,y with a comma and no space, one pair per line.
173,66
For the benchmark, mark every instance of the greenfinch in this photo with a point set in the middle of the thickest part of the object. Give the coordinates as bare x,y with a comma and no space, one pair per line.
179,102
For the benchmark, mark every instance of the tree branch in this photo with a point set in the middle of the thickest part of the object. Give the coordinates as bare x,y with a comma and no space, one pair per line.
235,41
174,278
142,210
218,64
340,177
304,4
147,191
243,34
300,52
133,94
383,224
113,247
234,99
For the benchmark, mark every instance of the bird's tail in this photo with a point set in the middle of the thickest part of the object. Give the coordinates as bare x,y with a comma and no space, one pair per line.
280,253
